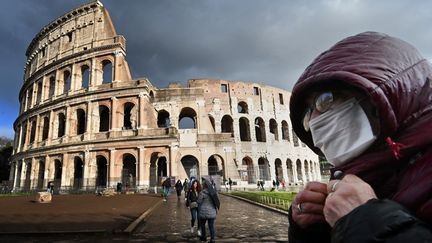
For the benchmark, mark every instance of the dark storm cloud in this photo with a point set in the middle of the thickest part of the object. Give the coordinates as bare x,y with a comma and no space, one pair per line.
268,42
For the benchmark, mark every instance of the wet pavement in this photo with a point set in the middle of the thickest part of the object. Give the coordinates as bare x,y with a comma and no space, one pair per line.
237,221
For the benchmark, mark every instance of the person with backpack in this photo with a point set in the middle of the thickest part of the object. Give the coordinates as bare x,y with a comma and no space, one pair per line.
208,205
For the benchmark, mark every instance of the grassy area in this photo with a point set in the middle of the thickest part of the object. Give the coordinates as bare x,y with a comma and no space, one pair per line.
17,194
280,200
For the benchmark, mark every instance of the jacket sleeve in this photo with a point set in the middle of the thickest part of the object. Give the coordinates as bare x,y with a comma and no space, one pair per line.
381,221
314,233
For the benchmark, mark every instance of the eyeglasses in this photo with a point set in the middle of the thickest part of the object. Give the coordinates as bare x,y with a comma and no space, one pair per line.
321,103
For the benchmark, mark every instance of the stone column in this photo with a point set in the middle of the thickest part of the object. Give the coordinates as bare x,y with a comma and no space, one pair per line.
37,132
47,172
23,173
32,173
64,176
87,169
93,75
57,82
117,62
68,121
141,109
18,146
50,127
89,131
285,172
140,169
73,77
112,180
114,122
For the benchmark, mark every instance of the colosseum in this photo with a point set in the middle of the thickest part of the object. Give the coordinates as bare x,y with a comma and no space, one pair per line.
84,123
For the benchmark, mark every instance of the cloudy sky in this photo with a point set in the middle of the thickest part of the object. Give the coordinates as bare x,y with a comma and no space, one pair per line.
268,42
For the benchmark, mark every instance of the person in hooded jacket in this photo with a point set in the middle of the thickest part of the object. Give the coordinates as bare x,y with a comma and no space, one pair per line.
366,105
208,205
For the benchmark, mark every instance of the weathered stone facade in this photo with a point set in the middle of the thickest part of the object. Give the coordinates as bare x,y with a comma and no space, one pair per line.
85,123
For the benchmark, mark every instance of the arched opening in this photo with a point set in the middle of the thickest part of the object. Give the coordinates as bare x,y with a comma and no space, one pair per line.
260,130
41,175
29,98
250,171
27,182
295,139
33,132
104,118
278,170
45,128
290,171
81,121
57,174
78,173
264,169
212,165
129,118
24,134
285,131
158,168
61,125
85,75
244,129
299,171
101,175
227,124
187,118
107,72
67,81
274,129
307,171
151,94
129,171
191,166
242,107
163,119
39,92
51,89
212,122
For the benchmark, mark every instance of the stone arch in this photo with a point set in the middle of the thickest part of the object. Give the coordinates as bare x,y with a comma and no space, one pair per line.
187,118
242,107
273,126
264,169
128,174
107,71
260,133
215,165
191,166
78,173
299,170
290,171
278,170
227,124
129,116
45,128
151,94
250,170
104,118
61,119
244,129
285,130
81,121
102,171
163,119
158,168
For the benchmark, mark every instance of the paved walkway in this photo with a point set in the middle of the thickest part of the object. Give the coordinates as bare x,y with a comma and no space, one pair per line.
237,221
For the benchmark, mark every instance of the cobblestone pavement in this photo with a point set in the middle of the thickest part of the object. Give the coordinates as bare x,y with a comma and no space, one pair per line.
237,221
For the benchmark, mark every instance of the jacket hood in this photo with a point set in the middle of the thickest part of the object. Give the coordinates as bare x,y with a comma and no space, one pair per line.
391,72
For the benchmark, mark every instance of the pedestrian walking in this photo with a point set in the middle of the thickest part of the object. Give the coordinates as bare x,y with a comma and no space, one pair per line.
230,182
365,104
179,188
277,184
192,204
186,187
166,188
208,204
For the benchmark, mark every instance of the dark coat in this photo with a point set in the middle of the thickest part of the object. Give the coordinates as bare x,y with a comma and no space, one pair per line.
397,79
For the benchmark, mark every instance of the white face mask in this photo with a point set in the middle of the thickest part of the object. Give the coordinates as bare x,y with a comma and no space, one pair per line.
343,132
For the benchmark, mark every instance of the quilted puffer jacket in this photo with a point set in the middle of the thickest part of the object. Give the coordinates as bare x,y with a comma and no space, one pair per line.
398,166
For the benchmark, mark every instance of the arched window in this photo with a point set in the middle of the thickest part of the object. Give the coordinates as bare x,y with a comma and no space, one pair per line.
51,87
81,121
187,118
242,107
107,72
39,92
260,130
29,98
264,169
78,173
246,161
101,175
163,119
274,128
129,170
45,128
104,118
129,117
85,76
61,125
278,170
227,124
67,81
33,131
285,131
24,134
290,171
57,170
212,164
191,166
299,171
41,174
244,129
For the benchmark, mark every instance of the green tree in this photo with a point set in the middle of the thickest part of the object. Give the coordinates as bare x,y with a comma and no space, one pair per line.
5,154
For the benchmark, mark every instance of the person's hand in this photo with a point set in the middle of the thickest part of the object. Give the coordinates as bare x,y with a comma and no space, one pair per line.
345,195
307,207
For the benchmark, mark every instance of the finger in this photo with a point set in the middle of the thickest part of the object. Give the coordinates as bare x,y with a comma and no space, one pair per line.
310,196
316,187
332,185
304,220
312,208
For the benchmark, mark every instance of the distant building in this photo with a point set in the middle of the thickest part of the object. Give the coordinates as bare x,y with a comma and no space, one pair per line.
85,123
